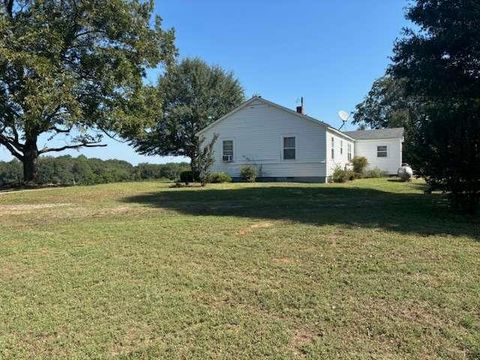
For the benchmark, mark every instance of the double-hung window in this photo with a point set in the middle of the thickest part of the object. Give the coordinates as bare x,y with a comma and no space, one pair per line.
227,150
333,148
382,151
289,148
341,147
349,151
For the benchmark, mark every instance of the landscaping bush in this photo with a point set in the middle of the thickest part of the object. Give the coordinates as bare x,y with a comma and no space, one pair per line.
374,173
351,175
248,173
186,177
359,164
340,175
219,177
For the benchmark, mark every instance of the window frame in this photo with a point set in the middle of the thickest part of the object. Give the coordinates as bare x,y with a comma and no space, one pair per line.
332,150
349,152
382,151
289,148
223,150
341,147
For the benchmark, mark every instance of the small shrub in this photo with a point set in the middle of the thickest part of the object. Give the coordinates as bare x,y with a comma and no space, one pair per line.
186,176
356,176
374,173
248,173
219,177
351,175
359,164
339,175
205,160
343,175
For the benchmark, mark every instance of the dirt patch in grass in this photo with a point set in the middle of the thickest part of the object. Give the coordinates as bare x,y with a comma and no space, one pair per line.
283,261
15,209
260,225
111,211
301,338
133,339
53,213
12,271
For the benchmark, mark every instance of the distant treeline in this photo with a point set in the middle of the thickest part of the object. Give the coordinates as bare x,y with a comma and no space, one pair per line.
67,170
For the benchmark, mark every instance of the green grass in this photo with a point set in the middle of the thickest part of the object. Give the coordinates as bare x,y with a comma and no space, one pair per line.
368,269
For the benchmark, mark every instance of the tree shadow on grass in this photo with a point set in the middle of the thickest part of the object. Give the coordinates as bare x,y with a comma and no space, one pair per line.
354,207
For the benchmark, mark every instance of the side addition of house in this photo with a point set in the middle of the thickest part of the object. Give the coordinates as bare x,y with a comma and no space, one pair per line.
288,145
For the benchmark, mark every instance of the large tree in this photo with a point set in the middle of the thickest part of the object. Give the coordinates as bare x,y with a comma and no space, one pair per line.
74,68
192,95
440,62
385,106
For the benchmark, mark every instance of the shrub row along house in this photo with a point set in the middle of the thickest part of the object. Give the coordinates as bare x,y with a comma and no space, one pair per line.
288,145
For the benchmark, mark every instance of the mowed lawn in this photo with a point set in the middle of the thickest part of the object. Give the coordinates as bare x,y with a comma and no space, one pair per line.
372,269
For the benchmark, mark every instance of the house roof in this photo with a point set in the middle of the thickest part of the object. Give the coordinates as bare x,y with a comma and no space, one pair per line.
293,112
393,133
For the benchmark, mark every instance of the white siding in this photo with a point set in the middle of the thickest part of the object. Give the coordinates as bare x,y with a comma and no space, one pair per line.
368,149
340,157
257,132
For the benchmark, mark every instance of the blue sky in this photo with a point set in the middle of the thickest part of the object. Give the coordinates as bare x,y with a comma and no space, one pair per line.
327,51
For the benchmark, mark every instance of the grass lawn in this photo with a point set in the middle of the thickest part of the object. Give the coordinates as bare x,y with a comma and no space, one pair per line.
368,269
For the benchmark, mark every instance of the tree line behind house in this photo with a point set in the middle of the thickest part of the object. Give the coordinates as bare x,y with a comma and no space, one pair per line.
68,170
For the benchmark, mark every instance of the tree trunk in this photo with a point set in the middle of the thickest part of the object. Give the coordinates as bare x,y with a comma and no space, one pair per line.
30,161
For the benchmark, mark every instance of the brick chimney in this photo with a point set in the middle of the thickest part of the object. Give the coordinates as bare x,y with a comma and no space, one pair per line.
300,108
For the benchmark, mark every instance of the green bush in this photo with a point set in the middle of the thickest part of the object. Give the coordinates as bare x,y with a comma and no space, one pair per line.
359,164
351,175
340,175
186,176
248,173
219,177
171,171
374,173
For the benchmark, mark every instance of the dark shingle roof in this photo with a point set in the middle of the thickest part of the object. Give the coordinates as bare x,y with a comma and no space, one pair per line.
376,134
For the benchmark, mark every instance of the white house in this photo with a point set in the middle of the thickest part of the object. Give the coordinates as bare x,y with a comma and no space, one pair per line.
382,147
288,145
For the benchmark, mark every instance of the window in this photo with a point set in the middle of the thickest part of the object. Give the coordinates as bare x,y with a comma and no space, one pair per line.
227,150
382,151
289,148
333,148
349,152
341,147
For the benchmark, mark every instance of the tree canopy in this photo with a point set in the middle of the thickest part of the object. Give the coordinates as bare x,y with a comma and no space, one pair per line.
439,61
385,106
67,170
191,95
75,69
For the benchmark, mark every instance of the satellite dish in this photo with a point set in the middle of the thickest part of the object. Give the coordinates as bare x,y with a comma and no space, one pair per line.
344,116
